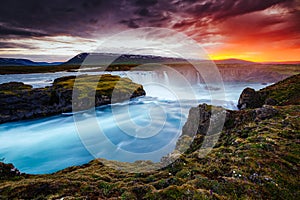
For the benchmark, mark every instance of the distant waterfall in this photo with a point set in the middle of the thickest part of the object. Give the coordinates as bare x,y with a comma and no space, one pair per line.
198,78
143,77
166,78
162,77
164,84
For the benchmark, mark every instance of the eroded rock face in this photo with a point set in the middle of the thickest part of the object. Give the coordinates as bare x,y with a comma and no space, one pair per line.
19,101
200,119
249,98
204,119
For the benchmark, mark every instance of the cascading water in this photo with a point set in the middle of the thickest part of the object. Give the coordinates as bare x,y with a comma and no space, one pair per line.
166,78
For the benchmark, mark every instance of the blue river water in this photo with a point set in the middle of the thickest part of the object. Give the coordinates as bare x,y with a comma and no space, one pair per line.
50,144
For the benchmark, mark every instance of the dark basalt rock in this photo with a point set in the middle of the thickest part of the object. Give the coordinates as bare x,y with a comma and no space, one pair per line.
14,86
249,98
265,112
205,124
200,120
8,171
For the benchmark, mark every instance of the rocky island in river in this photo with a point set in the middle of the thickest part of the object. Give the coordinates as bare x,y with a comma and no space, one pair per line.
19,101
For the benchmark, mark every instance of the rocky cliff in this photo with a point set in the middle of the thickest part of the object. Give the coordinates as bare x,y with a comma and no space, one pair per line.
19,101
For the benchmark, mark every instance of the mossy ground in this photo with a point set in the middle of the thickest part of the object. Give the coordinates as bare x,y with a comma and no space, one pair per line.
13,88
285,92
102,85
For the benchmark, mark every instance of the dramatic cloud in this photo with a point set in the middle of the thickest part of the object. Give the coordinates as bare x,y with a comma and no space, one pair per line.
219,25
12,45
8,31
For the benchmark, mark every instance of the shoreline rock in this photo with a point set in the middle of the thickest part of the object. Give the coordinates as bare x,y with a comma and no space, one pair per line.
284,92
8,171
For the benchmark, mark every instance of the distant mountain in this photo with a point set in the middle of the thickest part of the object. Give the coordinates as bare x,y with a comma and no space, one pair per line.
78,59
234,61
24,62
119,59
283,62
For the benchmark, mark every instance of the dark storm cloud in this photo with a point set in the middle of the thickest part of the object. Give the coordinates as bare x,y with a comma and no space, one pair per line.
184,23
12,45
238,19
265,26
223,9
6,31
130,23
182,14
143,12
57,17
146,2
83,18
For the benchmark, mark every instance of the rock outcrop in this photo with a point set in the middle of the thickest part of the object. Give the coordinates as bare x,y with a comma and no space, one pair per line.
204,119
8,171
282,93
249,99
19,101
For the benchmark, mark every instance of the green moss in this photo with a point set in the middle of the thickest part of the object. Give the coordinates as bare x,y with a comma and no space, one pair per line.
103,85
13,88
284,92
106,188
128,196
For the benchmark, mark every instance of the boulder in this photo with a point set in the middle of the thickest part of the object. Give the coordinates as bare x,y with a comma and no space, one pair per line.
249,98
266,112
8,171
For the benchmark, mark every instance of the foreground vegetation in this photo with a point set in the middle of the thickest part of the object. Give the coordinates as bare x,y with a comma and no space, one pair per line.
256,157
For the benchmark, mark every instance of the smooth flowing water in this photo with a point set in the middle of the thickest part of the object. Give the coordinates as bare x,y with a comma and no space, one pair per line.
50,144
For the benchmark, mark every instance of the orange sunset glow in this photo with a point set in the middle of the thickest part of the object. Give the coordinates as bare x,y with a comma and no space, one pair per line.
265,55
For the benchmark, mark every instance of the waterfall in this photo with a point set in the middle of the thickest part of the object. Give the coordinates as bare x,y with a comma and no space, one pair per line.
164,84
146,77
155,83
166,78
198,78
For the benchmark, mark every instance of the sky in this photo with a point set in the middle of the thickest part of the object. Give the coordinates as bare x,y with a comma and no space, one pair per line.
56,30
